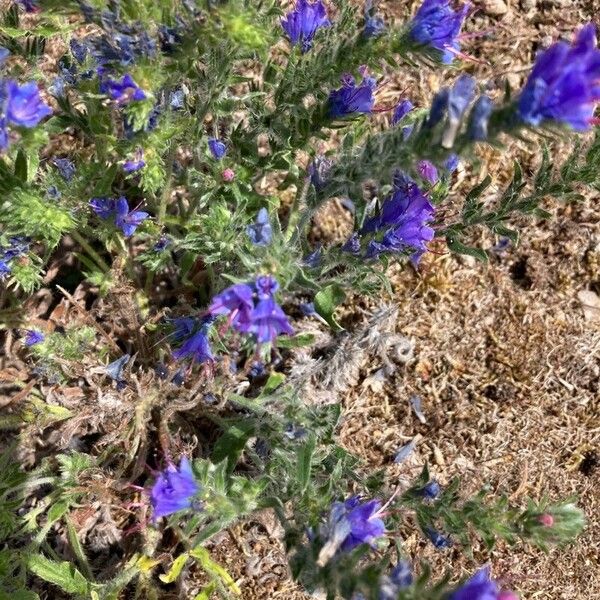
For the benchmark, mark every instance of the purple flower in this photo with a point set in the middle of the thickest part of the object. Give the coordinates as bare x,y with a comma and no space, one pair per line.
430,491
481,587
437,539
17,246
162,244
30,6
34,337
79,50
352,245
217,148
173,490
313,260
302,23
427,171
391,585
103,207
124,91
24,106
196,343
128,221
437,26
351,99
260,232
374,23
267,321
236,302
479,118
404,220
451,163
65,167
352,524
564,85
135,163
402,109
266,286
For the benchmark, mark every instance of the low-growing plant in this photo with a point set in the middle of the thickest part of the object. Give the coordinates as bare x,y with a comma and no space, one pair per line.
174,155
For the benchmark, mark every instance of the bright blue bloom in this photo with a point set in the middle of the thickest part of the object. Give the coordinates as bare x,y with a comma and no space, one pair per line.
352,245
404,220
4,54
257,370
313,260
136,163
115,369
17,246
217,148
124,91
128,221
352,523
34,337
65,167
235,301
430,491
173,490
479,587
402,109
24,106
427,171
163,243
439,104
260,232
266,286
437,26
479,118
461,95
351,99
437,539
564,85
302,23
196,343
177,100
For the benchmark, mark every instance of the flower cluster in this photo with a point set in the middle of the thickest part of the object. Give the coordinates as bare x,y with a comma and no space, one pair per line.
564,85
402,225
252,309
118,209
303,21
17,246
193,335
174,490
21,106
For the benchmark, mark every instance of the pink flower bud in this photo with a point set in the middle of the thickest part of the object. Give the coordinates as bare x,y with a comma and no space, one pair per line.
228,175
547,520
507,595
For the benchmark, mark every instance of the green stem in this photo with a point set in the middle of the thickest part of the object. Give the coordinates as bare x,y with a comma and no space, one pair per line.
295,219
92,253
166,194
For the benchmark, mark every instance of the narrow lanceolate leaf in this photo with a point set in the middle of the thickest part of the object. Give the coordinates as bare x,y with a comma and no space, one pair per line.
326,302
215,569
62,574
173,573
305,455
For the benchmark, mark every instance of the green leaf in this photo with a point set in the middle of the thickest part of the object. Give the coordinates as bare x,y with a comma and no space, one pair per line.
232,443
460,248
275,380
175,570
326,302
62,574
77,548
216,570
305,455
298,341
21,166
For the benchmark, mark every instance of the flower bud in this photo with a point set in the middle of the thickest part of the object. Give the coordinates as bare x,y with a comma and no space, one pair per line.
228,175
547,520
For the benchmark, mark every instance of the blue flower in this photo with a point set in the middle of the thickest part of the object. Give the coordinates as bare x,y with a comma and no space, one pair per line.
260,232
391,585
350,524
177,99
162,244
351,99
437,539
17,246
79,50
302,23
124,91
53,192
563,86
402,109
404,221
313,260
217,148
29,5
481,587
318,171
136,163
267,319
451,163
24,106
196,343
430,491
479,118
169,37
428,172
236,302
437,26
34,337
128,221
65,167
4,54
173,490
